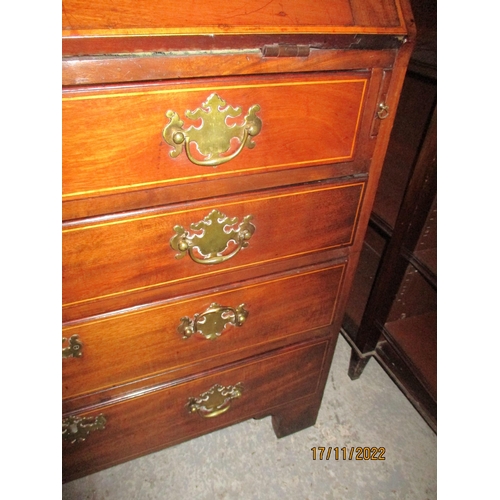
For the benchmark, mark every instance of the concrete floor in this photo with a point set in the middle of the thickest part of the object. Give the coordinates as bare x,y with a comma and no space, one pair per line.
247,461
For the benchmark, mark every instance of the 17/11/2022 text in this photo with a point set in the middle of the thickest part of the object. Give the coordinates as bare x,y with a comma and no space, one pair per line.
358,453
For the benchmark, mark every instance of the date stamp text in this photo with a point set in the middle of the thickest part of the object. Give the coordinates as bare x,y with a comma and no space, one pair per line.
351,453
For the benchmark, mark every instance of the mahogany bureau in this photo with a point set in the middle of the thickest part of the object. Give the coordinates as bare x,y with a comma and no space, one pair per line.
220,162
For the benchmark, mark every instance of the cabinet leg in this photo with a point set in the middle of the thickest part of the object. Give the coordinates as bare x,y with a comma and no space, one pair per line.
295,417
357,365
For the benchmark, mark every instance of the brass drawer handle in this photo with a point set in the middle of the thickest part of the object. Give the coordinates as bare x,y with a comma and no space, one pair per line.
74,348
216,235
383,111
215,401
213,137
212,322
76,429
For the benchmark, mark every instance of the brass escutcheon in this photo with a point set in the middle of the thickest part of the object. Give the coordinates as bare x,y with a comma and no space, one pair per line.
214,136
74,349
215,401
212,322
217,234
76,429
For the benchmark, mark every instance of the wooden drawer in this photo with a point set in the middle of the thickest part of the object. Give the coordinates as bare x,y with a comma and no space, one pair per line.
138,343
162,417
113,137
130,253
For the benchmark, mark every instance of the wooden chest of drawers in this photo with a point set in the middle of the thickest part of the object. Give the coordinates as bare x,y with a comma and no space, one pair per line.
219,169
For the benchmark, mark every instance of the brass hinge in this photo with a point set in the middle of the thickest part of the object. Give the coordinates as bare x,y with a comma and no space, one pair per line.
285,50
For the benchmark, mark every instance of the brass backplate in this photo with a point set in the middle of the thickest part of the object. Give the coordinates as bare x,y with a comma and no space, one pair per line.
212,322
215,401
76,429
215,136
213,245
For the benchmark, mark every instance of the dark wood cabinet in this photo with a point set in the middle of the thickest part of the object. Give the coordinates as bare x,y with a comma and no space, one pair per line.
220,164
391,314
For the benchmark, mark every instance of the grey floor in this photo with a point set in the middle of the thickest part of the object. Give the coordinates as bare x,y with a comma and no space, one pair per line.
247,461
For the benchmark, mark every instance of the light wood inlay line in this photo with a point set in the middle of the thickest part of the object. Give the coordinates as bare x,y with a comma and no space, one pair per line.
187,301
218,206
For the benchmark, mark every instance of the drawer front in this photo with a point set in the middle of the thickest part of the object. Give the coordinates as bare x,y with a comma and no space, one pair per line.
113,140
125,254
116,350
163,417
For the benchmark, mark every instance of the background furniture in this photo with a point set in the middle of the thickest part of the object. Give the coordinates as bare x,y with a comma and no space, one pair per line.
391,314
219,170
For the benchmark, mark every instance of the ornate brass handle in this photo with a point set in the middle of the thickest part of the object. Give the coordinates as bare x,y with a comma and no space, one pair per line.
74,349
212,322
383,111
214,240
76,429
215,401
213,137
